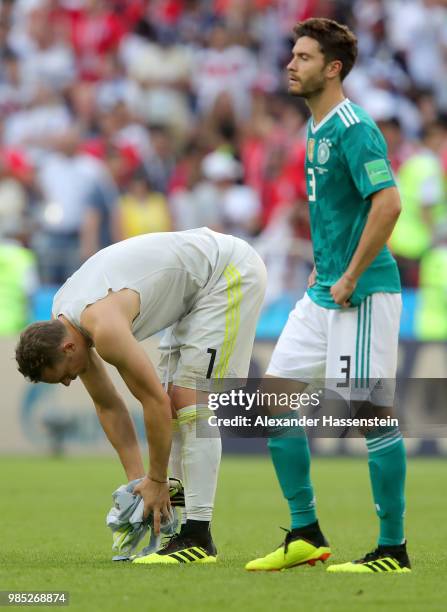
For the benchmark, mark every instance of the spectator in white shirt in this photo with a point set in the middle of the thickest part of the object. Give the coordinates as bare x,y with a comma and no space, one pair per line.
224,67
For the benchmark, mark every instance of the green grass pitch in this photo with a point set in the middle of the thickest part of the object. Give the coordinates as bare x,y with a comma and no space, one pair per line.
54,538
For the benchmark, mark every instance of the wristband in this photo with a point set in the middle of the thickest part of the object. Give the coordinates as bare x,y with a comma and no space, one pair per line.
158,481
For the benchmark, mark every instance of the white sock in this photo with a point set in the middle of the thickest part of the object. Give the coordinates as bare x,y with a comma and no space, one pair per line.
201,453
175,460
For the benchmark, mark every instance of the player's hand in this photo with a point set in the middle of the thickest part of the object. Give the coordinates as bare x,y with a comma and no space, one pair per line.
156,500
342,290
312,277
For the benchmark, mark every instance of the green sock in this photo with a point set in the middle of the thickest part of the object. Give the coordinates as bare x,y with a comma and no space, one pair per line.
291,458
387,467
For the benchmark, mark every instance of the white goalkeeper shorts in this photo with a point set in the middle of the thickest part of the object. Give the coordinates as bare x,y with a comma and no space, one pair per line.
353,350
214,341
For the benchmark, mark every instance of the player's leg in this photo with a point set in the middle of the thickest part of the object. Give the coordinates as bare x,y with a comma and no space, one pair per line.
216,340
201,454
299,355
175,467
289,450
219,335
369,358
169,349
387,470
194,459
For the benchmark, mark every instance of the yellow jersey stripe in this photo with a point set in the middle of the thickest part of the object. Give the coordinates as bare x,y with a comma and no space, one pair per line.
230,278
236,315
228,324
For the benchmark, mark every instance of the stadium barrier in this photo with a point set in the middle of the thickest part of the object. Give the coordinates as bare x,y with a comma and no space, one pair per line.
37,419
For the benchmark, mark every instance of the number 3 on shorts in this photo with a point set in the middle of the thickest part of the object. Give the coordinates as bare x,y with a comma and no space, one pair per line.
346,361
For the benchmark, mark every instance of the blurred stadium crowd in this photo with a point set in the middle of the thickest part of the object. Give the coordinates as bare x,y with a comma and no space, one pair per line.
125,117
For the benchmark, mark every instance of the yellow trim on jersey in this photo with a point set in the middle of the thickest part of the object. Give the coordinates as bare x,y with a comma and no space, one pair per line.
232,319
236,313
221,368
227,327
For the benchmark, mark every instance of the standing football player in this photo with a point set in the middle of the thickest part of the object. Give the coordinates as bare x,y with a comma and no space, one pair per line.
207,290
346,326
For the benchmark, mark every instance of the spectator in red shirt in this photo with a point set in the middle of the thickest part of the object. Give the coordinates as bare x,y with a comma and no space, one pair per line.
96,32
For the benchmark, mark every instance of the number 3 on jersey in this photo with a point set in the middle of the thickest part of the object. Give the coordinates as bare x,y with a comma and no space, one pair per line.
312,185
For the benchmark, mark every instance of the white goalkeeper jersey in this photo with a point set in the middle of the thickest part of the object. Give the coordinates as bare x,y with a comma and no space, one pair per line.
169,271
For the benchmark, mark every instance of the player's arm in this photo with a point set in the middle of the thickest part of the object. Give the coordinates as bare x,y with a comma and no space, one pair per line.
113,416
116,345
365,155
383,215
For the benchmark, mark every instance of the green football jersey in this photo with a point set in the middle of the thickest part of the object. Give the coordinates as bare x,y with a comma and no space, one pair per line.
346,162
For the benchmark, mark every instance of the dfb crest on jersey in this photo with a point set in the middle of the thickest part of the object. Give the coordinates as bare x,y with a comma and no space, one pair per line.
324,151
310,149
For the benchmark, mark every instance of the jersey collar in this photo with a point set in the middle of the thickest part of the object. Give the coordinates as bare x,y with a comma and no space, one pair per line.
325,119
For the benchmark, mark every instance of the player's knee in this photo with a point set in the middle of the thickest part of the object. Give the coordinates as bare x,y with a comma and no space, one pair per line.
371,415
181,397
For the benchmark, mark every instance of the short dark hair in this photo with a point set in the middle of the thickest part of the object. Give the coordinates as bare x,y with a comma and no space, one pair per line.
39,347
336,41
